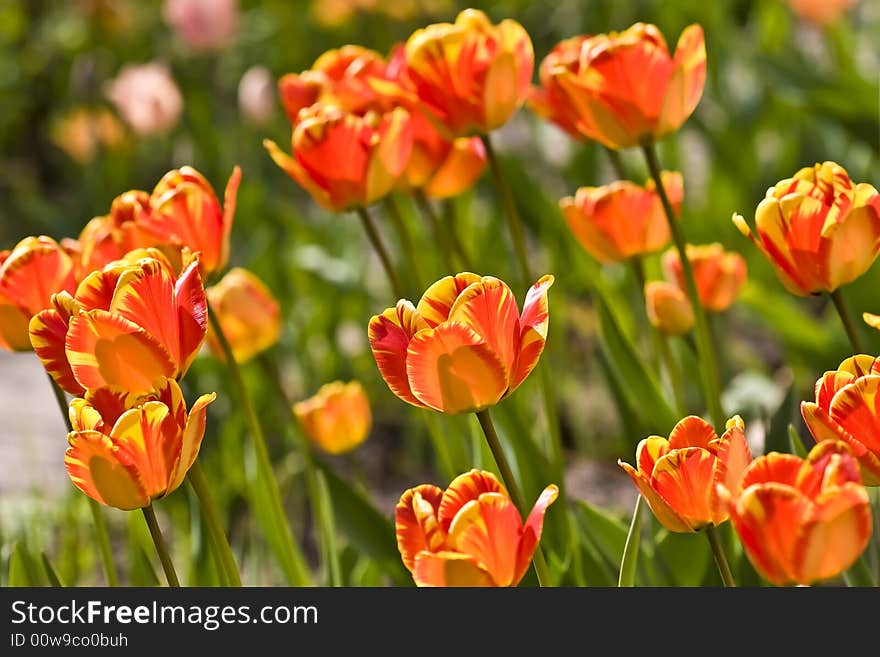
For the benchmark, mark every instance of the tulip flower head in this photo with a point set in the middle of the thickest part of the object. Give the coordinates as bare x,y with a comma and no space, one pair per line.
719,274
802,520
127,450
337,419
818,229
471,534
248,314
621,220
622,89
465,346
668,308
847,409
128,326
678,477
109,237
34,270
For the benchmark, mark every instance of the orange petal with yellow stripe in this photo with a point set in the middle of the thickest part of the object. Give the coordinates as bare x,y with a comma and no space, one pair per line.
692,431
98,469
389,335
648,452
449,569
664,513
488,529
466,488
534,322
856,408
532,530
48,333
416,523
437,301
684,479
148,437
193,432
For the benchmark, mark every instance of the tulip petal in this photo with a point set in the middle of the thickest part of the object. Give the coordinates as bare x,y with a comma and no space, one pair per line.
773,467
648,452
389,335
150,440
488,530
534,322
95,291
856,408
438,299
451,569
296,171
192,314
463,489
48,333
193,432
98,469
661,509
230,199
692,431
500,91
13,326
684,479
731,460
100,408
854,245
532,530
686,82
829,384
416,524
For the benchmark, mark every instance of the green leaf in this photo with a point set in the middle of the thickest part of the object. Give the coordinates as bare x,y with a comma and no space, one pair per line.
795,443
24,570
607,533
776,439
51,573
683,558
631,547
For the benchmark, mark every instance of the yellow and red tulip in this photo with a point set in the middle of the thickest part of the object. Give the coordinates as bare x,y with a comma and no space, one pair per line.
471,534
247,312
802,520
336,419
465,346
847,408
34,270
678,477
621,220
128,325
623,89
127,450
719,274
109,237
668,308
344,160
818,229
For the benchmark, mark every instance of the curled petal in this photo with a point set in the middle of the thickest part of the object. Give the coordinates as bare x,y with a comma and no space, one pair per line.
193,432
533,330
98,469
648,452
416,523
463,489
667,516
389,335
437,301
532,530
692,431
48,332
149,440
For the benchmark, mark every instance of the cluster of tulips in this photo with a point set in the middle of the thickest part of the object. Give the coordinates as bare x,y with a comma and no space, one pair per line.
117,316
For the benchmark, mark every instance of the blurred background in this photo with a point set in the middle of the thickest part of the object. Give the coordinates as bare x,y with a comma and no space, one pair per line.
101,96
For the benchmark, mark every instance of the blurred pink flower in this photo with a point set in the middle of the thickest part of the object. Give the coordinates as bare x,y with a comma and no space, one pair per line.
202,25
256,94
147,98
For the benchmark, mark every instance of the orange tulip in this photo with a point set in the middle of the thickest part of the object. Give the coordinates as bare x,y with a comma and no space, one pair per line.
719,274
247,312
818,229
471,76
34,270
127,450
621,220
344,160
802,520
847,408
337,419
109,237
464,347
678,477
471,534
668,307
623,88
128,325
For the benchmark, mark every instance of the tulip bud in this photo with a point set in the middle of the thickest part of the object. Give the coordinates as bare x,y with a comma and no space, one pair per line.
337,419
669,309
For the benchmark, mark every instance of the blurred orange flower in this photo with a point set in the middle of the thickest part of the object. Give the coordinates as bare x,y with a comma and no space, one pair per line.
471,534
678,477
623,88
802,520
344,160
127,450
34,270
83,131
247,312
820,12
847,408
621,220
719,274
128,325
336,419
465,346
818,229
668,308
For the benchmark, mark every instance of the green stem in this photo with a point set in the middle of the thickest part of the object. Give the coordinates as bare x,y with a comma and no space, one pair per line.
406,243
720,558
101,533
441,236
381,251
706,354
674,374
843,310
510,482
161,547
290,556
616,163
451,226
211,516
328,532
627,576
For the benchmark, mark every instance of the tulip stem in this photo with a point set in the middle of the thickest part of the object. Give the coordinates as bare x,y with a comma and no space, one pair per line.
846,319
381,251
289,555
510,483
440,236
616,163
720,557
406,244
449,214
674,375
161,547
101,533
627,575
222,550
706,354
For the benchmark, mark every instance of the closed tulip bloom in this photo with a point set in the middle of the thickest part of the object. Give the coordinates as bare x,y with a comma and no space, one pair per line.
128,325
847,408
127,450
247,312
465,346
623,89
678,477
337,419
471,534
669,310
470,76
719,274
621,220
344,160
802,520
34,270
818,229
